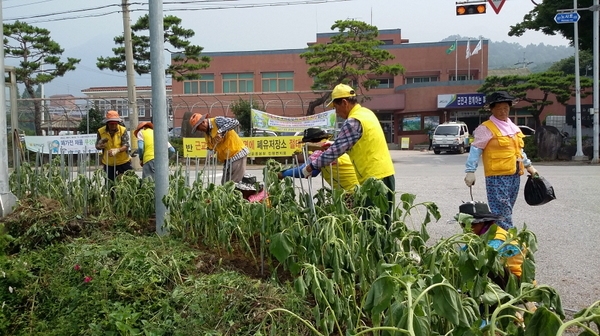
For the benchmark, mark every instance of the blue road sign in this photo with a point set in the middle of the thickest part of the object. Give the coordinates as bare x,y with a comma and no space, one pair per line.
571,17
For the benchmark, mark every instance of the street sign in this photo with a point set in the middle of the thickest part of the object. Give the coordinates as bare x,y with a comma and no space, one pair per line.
571,17
496,5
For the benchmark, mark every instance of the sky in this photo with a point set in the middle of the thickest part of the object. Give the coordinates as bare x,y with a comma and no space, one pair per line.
242,25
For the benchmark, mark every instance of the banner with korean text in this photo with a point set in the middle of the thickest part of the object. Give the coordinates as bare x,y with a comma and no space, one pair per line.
259,146
62,144
265,121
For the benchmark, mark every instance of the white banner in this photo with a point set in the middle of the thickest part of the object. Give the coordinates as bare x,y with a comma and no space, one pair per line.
62,144
271,122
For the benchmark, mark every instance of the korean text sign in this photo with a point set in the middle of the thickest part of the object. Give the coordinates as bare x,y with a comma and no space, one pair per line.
259,146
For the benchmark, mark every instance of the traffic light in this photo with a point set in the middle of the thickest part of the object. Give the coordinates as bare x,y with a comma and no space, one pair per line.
470,9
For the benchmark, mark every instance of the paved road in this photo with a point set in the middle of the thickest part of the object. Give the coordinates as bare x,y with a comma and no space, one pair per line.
568,228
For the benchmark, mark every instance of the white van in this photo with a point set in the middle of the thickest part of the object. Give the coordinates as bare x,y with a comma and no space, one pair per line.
451,137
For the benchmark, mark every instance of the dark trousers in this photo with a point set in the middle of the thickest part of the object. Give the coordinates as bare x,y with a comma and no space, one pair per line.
390,183
113,171
430,144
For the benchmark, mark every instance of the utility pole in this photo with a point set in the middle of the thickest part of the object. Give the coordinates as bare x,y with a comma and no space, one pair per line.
571,16
159,110
579,154
7,200
131,94
595,48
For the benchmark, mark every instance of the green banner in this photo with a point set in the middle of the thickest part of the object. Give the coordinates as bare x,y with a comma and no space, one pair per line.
265,121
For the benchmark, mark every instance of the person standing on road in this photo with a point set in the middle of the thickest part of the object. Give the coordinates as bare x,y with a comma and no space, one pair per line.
224,141
144,133
430,134
499,142
113,140
362,138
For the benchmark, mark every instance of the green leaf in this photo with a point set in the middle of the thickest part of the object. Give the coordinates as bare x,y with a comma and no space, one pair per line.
446,301
494,294
380,295
281,246
543,323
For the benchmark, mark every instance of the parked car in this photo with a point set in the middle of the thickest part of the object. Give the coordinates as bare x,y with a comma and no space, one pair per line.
451,137
527,131
175,132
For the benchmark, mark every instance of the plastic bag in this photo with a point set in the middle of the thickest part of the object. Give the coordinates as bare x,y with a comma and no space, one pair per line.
538,191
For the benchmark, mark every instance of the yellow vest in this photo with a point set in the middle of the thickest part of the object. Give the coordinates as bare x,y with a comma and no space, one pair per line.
343,174
370,155
514,263
113,142
148,135
502,153
230,144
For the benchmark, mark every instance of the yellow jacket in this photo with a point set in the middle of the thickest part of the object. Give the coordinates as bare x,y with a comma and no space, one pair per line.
113,142
370,155
229,146
502,153
513,253
342,173
148,135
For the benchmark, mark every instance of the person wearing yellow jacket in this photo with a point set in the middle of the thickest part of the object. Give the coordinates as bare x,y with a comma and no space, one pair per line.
362,138
483,221
222,138
144,133
341,171
499,143
113,140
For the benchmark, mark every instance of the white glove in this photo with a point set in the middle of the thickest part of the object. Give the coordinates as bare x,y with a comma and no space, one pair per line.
114,151
470,179
305,172
532,171
218,138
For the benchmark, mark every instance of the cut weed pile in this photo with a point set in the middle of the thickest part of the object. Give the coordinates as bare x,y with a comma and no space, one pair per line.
85,278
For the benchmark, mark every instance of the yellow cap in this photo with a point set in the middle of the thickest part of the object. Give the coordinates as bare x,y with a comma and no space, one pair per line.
341,91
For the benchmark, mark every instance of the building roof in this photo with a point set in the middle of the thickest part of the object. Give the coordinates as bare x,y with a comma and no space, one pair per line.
62,122
509,72
119,88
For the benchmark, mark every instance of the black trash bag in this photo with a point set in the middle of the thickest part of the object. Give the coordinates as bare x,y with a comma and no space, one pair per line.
538,191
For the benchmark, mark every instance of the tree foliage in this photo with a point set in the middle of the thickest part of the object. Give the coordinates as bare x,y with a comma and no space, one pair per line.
541,18
95,117
242,111
537,89
186,60
354,56
39,60
567,65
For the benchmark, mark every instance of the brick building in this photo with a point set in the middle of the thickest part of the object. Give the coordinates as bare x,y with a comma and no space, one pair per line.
437,86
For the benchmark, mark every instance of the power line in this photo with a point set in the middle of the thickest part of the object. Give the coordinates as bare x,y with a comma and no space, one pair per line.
242,6
27,4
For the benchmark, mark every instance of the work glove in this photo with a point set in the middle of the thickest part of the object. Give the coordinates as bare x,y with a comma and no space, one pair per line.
218,138
532,171
113,152
470,179
305,172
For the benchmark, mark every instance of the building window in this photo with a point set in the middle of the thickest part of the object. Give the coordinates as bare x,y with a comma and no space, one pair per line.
387,42
206,84
120,106
411,80
141,106
239,82
461,78
277,81
385,83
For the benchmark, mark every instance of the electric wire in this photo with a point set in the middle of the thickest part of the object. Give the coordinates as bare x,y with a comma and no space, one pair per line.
46,17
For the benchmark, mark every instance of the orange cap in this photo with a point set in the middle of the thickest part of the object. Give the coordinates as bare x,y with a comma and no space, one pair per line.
112,116
141,125
195,120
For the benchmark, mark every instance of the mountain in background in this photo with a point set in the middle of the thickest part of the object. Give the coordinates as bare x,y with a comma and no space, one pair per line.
505,55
